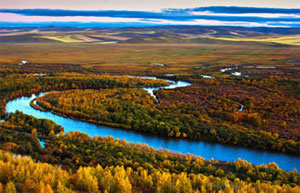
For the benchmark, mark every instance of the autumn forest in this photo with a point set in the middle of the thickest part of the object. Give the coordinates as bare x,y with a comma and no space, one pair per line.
241,96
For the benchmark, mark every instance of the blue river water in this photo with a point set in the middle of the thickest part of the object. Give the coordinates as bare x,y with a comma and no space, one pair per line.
204,149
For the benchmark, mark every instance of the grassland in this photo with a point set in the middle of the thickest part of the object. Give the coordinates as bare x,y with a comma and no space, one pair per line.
70,38
76,38
135,32
139,58
290,40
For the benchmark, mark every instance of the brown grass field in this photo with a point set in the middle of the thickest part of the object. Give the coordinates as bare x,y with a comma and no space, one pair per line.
141,58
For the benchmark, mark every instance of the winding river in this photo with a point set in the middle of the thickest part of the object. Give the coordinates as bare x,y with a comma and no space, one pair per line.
201,148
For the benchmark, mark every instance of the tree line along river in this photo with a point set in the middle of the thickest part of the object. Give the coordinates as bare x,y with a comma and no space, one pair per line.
204,149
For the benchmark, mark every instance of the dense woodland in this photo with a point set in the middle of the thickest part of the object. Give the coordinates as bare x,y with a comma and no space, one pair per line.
17,85
208,110
104,164
21,174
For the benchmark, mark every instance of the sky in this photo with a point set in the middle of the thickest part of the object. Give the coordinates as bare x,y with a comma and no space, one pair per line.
145,5
127,13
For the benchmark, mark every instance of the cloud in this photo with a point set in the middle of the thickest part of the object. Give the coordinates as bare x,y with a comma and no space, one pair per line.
243,16
270,15
241,10
12,17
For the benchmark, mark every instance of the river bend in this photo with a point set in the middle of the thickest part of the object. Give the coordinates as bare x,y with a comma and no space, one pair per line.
204,149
